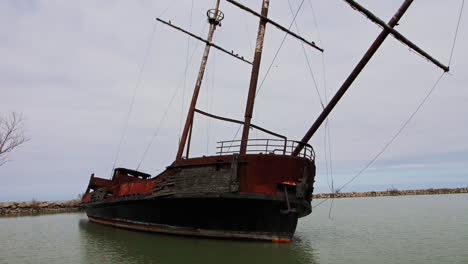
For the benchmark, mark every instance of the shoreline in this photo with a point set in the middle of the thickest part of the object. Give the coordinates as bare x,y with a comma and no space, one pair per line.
391,192
42,207
38,208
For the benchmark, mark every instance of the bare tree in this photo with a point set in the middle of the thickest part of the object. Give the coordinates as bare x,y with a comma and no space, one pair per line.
11,134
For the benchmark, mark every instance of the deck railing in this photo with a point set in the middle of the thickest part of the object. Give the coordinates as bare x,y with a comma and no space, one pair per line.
266,146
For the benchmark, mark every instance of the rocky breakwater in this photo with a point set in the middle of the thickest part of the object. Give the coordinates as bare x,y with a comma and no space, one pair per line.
36,207
391,192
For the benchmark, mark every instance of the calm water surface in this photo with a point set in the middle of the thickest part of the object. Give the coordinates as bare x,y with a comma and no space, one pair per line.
404,229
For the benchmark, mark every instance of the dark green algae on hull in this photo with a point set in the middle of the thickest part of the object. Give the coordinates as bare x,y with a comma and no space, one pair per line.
401,229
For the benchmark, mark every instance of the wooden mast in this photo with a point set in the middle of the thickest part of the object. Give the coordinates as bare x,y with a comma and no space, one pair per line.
189,121
254,76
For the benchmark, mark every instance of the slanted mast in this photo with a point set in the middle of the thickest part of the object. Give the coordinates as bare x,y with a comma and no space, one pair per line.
387,30
214,18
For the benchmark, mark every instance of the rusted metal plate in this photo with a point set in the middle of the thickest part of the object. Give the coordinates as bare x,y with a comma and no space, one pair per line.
263,173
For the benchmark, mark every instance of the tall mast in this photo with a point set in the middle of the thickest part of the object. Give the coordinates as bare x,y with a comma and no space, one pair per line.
254,76
353,75
214,22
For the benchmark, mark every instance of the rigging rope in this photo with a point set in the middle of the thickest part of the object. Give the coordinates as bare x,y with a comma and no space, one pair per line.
168,7
307,59
132,101
271,65
328,157
324,77
156,132
456,32
244,19
279,48
327,140
396,135
161,121
417,109
412,115
187,54
326,136
327,131
210,96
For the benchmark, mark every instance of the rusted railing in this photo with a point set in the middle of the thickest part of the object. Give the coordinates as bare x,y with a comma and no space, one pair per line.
266,146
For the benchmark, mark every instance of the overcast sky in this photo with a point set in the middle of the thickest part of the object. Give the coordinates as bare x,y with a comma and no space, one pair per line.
71,68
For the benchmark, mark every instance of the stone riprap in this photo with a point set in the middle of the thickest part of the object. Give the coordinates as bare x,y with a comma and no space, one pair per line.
37,207
391,192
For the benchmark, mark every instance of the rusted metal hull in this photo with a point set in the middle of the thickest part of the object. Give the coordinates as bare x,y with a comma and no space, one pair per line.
250,197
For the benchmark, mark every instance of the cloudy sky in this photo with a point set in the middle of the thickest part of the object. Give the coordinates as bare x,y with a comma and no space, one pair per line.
72,68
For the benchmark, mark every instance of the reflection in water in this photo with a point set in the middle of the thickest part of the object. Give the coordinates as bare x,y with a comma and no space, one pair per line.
421,229
113,245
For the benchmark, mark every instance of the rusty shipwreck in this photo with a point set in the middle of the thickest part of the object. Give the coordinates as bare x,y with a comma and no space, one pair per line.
252,188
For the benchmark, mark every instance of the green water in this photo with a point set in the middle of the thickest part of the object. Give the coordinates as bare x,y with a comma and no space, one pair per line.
405,229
